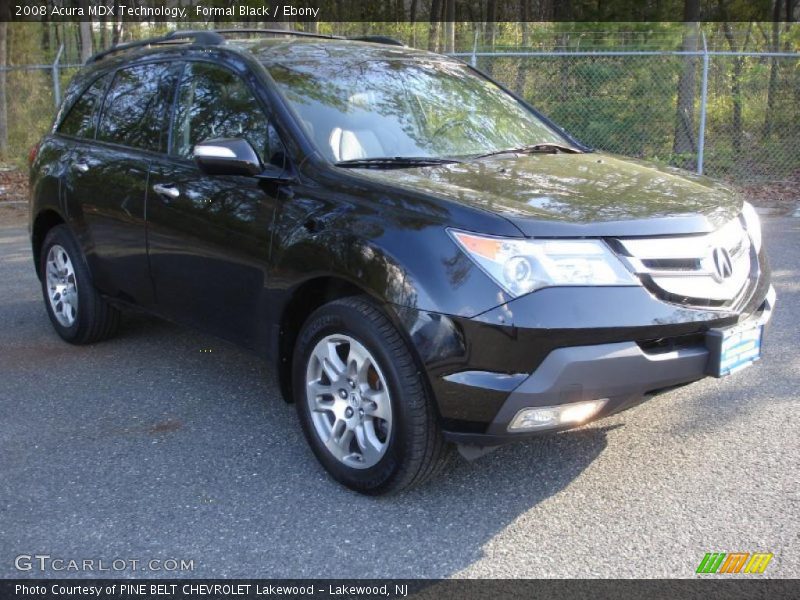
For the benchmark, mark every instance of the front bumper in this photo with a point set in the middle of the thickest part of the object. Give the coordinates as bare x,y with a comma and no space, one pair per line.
623,373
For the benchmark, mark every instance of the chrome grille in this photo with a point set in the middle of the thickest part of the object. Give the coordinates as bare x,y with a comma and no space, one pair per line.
709,270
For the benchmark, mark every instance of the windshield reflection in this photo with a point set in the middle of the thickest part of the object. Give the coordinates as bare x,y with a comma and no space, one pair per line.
392,106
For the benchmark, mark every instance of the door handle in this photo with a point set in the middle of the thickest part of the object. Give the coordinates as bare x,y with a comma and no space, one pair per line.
81,167
166,191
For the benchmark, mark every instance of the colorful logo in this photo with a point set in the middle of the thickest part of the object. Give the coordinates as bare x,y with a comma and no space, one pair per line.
734,562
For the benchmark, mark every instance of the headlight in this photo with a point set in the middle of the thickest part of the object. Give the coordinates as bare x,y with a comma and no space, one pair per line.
753,225
520,266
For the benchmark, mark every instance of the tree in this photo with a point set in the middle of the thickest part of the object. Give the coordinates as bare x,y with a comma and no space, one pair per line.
45,33
774,46
683,142
412,17
86,34
3,99
522,67
433,31
103,32
450,26
736,82
491,23
116,25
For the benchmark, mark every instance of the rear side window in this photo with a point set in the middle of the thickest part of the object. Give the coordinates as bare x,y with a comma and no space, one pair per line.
215,103
136,107
79,121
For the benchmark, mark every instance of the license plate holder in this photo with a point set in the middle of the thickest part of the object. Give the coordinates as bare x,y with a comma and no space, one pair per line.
734,348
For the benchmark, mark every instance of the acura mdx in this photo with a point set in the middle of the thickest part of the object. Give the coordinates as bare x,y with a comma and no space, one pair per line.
427,260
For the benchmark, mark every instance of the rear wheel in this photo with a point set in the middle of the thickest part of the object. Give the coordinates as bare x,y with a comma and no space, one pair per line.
77,311
361,401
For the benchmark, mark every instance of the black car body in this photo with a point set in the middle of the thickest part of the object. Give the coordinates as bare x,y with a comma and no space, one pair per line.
250,255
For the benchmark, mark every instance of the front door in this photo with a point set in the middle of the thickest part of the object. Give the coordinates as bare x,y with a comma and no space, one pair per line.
209,236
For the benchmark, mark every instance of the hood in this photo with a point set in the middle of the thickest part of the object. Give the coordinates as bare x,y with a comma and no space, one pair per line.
591,194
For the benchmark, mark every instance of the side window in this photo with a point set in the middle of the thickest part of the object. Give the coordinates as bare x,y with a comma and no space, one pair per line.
215,103
79,121
136,107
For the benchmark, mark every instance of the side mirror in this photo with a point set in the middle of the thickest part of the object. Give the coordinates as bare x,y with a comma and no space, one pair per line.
229,156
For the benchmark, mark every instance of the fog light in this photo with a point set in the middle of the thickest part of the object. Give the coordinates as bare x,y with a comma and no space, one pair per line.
547,417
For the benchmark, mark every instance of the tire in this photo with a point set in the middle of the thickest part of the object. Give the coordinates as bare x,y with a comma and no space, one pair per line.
396,434
77,311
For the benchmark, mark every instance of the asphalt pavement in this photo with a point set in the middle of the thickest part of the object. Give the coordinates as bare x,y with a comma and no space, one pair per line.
165,444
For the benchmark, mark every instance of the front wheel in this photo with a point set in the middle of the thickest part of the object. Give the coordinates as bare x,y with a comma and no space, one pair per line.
362,404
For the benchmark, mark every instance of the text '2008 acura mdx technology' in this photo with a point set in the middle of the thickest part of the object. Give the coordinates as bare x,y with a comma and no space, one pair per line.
428,261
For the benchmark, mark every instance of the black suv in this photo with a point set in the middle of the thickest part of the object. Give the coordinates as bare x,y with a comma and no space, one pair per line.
427,260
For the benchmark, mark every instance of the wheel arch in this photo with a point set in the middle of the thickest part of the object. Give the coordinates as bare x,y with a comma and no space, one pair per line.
45,220
303,300
308,297
404,280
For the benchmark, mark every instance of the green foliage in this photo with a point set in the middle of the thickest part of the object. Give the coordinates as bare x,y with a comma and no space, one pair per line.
30,96
621,104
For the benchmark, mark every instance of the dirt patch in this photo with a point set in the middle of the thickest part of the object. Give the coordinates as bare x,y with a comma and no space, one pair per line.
13,184
13,214
783,197
13,196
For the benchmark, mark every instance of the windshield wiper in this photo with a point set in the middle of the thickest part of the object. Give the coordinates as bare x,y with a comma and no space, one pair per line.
396,162
543,148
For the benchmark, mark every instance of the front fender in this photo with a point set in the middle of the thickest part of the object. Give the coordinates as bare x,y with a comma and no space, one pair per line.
421,269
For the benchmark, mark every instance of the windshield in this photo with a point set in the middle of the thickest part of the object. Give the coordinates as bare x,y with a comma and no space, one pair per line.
409,108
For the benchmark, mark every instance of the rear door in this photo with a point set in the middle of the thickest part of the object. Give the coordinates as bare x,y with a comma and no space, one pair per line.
107,180
76,135
209,236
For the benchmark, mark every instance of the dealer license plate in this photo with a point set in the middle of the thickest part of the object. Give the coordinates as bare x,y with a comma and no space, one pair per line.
733,349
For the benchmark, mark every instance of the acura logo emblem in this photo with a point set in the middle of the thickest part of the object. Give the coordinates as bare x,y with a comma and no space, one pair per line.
723,267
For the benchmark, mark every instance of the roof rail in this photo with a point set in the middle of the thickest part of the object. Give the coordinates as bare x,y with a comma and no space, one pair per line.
214,37
279,32
378,39
375,39
210,38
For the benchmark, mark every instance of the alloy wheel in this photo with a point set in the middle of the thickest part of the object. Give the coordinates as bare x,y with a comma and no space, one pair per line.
62,286
349,401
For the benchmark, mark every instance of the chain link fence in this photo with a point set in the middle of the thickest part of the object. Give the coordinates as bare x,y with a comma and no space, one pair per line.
734,116
33,95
